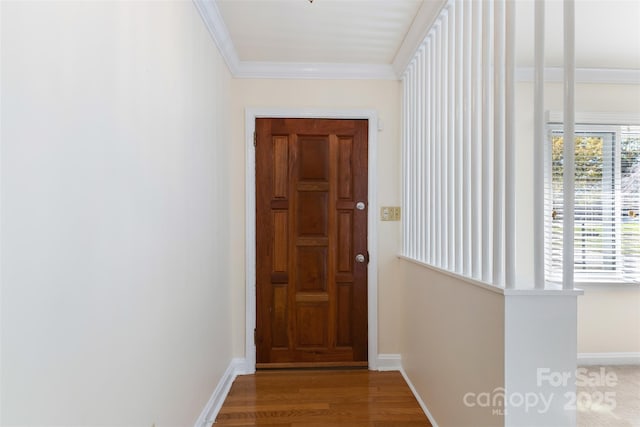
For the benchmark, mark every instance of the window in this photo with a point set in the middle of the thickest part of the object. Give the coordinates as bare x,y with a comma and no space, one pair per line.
607,204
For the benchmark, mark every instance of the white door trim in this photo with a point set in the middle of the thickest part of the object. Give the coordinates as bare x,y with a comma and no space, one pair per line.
250,219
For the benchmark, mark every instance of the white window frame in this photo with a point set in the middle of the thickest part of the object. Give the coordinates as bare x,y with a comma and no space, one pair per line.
596,123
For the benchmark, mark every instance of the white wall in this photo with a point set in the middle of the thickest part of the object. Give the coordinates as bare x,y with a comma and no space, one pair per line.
115,273
608,318
453,344
382,96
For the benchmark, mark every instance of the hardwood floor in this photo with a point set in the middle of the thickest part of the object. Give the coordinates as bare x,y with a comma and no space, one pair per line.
317,398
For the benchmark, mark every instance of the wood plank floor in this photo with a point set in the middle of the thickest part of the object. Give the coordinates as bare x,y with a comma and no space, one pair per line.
317,398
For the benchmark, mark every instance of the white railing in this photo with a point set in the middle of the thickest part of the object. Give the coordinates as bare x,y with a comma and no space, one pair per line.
458,95
568,183
538,149
459,143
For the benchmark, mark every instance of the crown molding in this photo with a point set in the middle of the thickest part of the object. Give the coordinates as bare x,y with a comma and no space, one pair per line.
289,70
583,75
427,14
214,22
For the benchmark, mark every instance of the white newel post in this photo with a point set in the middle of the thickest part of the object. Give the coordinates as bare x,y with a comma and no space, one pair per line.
540,358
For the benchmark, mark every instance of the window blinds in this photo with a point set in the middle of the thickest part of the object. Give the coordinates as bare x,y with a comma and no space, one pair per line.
607,201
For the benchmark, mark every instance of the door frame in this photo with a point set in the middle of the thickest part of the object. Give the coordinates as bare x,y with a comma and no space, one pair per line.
251,114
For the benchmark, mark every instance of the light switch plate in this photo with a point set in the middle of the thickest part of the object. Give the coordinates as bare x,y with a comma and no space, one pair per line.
390,213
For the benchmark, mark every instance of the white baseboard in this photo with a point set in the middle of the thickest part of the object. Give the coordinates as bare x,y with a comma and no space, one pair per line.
393,362
237,366
418,398
389,362
589,359
243,367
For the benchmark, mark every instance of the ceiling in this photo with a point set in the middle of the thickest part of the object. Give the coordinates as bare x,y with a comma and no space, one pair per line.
295,37
325,31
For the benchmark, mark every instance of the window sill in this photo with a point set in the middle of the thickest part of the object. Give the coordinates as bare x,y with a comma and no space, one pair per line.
607,285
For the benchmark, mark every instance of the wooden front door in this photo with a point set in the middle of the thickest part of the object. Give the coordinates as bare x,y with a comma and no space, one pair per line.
311,225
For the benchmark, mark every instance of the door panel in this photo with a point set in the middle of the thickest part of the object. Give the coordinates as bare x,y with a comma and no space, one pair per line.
311,295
